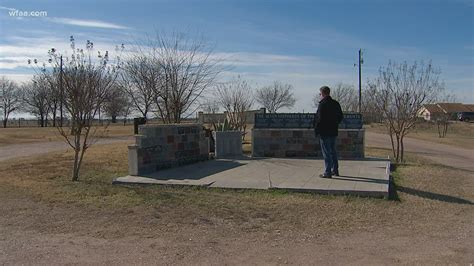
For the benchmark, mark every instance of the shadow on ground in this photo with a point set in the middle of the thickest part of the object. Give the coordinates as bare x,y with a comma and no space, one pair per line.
359,179
433,196
205,169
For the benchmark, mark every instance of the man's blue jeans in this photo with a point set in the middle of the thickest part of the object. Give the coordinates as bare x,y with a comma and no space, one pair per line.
328,147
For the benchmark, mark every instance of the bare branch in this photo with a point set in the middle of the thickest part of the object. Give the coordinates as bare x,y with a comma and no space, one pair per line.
276,96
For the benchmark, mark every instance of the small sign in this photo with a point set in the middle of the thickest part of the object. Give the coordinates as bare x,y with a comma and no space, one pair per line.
300,120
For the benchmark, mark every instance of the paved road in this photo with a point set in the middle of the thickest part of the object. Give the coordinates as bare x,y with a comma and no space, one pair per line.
440,153
28,149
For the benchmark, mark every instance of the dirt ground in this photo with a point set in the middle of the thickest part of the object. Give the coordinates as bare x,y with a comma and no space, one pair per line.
47,219
51,234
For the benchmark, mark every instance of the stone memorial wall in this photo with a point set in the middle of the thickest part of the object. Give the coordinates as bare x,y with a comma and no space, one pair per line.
292,135
272,142
163,146
302,120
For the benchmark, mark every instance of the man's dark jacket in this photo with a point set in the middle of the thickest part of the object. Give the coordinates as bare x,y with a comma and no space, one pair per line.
328,117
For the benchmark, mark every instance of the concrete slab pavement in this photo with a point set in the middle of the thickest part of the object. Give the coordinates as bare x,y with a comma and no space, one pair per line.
368,177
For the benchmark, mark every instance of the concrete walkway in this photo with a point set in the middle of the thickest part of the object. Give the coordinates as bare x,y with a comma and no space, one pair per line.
369,177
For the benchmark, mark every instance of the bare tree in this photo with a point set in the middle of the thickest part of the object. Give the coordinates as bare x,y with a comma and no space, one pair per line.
187,70
236,97
345,94
370,111
54,95
36,96
10,98
210,106
442,120
116,104
139,79
276,96
127,110
400,91
87,81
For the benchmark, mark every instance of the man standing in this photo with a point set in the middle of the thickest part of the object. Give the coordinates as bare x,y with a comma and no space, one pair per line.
326,122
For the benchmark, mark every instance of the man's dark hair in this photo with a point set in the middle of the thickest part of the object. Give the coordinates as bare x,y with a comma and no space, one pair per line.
325,90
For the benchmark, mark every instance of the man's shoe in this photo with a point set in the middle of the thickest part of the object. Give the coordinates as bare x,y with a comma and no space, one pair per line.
336,173
325,176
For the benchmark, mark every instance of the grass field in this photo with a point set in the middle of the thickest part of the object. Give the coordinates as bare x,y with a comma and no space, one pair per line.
45,134
460,134
426,203
431,209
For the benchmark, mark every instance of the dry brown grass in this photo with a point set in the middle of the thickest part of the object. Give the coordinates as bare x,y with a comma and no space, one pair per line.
46,179
433,203
45,134
459,134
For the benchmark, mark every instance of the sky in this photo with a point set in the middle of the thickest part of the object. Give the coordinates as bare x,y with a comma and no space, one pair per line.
307,44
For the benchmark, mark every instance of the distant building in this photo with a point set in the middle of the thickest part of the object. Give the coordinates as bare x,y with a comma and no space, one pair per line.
430,112
471,107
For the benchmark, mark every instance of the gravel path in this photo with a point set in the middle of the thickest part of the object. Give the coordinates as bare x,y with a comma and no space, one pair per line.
441,153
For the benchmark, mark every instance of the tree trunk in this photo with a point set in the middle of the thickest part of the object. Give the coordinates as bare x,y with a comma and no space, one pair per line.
83,150
77,148
439,129
398,148
114,119
75,171
41,120
402,148
393,144
54,114
4,123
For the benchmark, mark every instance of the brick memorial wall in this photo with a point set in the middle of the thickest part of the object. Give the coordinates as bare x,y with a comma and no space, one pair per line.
290,135
163,146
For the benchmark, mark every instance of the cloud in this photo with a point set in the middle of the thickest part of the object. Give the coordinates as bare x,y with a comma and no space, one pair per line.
87,23
259,59
19,78
7,8
15,54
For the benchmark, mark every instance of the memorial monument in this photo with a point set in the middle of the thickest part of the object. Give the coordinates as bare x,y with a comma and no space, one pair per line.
292,135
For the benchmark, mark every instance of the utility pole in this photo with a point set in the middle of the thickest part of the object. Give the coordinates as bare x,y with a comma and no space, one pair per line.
361,61
61,89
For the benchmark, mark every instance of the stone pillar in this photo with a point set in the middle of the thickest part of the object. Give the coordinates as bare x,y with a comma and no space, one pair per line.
228,144
132,159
